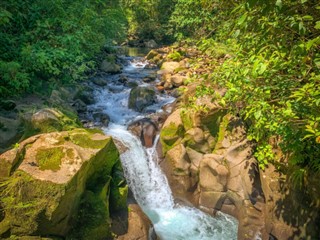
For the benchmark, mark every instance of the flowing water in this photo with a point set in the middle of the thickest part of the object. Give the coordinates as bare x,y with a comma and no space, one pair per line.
145,178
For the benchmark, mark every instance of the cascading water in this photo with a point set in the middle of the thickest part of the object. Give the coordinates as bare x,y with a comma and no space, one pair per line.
145,178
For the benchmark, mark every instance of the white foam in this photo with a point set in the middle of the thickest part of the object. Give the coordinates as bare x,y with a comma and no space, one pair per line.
151,190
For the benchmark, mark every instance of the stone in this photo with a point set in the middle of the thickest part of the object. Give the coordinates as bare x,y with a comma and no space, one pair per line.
178,159
151,44
79,106
213,175
100,81
85,95
172,131
138,224
152,54
110,67
56,175
194,156
169,67
177,80
141,97
101,118
145,129
46,120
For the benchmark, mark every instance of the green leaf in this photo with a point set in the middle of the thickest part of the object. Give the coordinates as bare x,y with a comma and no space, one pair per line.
279,4
317,26
242,19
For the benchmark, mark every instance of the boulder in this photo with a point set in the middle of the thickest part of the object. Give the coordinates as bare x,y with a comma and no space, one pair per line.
110,67
151,44
145,129
102,118
138,224
100,81
52,177
141,97
79,106
172,131
169,67
152,54
51,119
85,95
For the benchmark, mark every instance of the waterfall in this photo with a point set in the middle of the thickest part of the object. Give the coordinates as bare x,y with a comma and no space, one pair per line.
152,192
149,185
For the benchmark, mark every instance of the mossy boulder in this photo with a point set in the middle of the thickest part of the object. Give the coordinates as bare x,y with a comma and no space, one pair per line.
141,97
52,119
172,131
56,183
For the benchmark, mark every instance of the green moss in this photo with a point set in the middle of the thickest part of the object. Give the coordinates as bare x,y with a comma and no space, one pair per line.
70,153
5,168
93,216
186,117
119,189
50,158
27,200
170,136
222,130
212,121
175,56
84,140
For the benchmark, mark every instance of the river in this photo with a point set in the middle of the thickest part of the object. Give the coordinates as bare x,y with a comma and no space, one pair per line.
146,180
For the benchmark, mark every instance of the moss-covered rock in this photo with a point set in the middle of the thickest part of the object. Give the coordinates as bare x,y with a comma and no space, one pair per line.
141,97
62,182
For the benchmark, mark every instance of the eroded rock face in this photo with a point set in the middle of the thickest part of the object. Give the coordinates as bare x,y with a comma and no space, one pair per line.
50,176
145,129
138,224
213,168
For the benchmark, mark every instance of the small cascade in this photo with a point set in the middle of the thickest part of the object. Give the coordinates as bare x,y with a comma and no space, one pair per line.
144,176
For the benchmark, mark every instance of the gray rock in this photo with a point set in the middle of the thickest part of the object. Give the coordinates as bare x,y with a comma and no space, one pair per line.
141,97
110,67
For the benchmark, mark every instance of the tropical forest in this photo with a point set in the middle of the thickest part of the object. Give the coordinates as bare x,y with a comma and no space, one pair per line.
159,120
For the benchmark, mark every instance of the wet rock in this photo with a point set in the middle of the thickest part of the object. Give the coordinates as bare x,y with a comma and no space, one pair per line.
138,224
145,129
101,118
150,66
79,106
178,80
141,97
131,84
100,81
86,96
151,44
54,176
123,79
152,54
110,67
149,78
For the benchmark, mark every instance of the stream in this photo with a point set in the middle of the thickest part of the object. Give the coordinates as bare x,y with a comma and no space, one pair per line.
149,185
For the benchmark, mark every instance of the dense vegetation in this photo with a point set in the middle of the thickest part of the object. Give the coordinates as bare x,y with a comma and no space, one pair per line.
44,43
271,74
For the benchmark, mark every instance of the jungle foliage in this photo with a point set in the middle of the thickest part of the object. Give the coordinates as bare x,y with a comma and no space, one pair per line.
44,43
272,77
